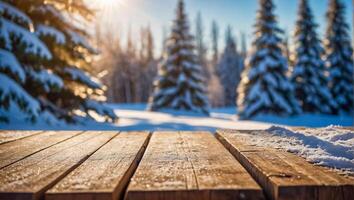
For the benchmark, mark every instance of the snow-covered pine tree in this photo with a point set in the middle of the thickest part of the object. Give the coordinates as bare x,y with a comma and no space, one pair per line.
81,94
19,49
229,69
308,73
339,57
116,58
201,46
286,48
131,68
243,45
148,65
215,42
265,87
179,84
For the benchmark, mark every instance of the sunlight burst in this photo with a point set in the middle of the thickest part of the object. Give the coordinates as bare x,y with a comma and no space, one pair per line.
107,4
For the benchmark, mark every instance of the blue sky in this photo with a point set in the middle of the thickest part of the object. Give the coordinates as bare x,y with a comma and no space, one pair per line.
240,14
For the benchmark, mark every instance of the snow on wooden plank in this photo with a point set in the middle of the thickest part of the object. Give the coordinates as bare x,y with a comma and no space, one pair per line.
284,175
106,173
17,150
9,136
186,165
32,176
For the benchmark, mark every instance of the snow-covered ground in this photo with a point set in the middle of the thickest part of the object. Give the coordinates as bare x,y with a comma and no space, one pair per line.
135,117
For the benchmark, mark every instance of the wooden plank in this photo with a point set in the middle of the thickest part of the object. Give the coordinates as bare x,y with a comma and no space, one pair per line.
187,165
9,136
106,173
32,176
284,175
12,152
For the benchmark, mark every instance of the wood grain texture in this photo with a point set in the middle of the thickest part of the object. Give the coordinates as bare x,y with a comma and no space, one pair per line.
9,136
32,176
284,175
12,152
188,165
106,174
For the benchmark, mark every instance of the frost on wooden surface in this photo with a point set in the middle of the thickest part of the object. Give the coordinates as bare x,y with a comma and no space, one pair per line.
331,146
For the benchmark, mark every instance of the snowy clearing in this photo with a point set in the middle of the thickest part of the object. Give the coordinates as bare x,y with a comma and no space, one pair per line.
135,117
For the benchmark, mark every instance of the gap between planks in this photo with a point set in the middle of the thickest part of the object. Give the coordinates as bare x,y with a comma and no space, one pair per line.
116,165
10,136
190,165
17,150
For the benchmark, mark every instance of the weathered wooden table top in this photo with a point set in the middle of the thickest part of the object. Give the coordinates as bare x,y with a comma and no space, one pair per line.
98,165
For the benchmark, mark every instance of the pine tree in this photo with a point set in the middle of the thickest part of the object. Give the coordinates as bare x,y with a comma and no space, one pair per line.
63,84
286,48
243,45
229,69
215,88
110,57
215,42
72,62
308,74
179,84
148,65
163,42
129,67
201,47
17,41
119,76
264,87
339,57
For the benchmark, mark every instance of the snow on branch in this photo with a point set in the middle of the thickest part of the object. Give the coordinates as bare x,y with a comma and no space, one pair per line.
83,77
33,44
47,8
43,30
11,90
78,39
14,13
100,108
8,62
46,78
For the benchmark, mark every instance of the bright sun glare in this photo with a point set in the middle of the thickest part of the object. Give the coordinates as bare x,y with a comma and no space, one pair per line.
108,3
107,8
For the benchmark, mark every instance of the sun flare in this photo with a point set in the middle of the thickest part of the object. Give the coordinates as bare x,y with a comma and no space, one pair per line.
108,4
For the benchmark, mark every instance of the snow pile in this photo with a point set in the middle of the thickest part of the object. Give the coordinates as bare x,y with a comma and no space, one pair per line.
331,146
